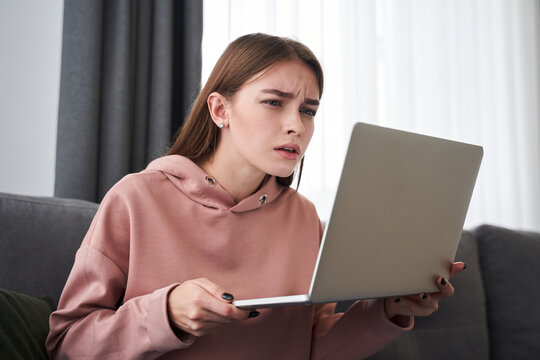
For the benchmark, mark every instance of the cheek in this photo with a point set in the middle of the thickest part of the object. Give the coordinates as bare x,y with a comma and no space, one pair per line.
310,128
242,124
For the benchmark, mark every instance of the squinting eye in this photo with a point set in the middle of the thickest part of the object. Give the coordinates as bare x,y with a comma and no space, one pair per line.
308,112
273,102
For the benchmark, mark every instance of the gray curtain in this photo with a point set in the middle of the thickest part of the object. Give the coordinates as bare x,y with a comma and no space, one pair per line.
130,70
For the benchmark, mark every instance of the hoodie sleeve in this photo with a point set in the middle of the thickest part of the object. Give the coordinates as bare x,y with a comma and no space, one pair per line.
90,322
361,331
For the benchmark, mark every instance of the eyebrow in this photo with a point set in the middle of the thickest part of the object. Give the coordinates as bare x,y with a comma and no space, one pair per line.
288,95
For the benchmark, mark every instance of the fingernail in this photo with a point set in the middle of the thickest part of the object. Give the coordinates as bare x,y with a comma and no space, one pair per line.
227,296
397,300
464,266
254,313
424,296
443,281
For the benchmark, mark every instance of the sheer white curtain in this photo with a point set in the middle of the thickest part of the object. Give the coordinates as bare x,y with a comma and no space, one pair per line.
463,70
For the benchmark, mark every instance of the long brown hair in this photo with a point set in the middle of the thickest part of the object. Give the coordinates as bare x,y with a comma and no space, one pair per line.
246,56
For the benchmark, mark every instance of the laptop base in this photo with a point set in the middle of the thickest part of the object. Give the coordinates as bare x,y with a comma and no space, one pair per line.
273,302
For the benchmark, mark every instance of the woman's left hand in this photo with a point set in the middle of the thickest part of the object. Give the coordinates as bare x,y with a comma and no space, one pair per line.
420,304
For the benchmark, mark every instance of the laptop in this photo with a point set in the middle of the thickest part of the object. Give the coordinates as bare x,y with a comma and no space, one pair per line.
396,220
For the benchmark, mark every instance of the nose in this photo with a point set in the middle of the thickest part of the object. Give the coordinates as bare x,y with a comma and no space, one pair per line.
293,124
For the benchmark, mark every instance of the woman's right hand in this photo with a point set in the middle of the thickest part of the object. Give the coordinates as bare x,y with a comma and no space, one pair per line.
199,306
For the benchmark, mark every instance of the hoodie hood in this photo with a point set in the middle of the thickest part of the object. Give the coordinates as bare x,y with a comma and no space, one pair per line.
200,187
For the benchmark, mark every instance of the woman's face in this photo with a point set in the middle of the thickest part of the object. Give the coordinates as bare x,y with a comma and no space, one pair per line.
270,120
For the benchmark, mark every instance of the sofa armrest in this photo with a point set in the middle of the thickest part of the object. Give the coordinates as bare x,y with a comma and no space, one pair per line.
38,240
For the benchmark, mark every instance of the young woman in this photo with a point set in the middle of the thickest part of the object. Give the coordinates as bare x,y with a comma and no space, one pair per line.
172,246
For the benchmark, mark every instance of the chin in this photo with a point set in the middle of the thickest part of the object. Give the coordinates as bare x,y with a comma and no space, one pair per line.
281,172
279,168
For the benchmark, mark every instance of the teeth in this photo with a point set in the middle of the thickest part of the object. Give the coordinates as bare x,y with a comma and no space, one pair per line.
289,149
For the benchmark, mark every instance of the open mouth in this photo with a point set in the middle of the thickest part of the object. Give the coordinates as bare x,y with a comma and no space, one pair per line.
291,150
288,151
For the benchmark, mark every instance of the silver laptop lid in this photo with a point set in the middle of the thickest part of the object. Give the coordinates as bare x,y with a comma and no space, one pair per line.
397,217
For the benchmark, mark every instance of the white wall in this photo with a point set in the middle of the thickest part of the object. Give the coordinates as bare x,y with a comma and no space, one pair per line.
30,52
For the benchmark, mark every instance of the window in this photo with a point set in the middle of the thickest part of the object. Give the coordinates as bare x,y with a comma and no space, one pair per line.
462,70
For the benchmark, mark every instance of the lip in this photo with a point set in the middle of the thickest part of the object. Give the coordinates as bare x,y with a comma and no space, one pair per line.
295,147
286,154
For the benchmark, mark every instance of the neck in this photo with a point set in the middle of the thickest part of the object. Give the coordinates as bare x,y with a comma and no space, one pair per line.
239,182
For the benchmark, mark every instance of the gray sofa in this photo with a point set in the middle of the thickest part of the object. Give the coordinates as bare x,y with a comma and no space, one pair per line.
495,313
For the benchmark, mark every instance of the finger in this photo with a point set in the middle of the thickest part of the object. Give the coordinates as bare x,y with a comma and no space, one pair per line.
227,311
200,327
209,322
214,289
414,297
446,289
413,307
223,310
193,318
429,301
457,267
205,316
410,305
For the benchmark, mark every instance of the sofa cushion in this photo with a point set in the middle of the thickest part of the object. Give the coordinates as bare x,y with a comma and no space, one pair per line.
510,270
459,329
24,325
38,240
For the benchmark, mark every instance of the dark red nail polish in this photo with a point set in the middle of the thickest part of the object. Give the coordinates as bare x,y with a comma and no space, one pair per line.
227,296
254,313
424,296
443,281
464,266
397,300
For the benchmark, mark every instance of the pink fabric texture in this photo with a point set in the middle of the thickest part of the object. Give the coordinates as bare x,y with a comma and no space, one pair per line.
169,224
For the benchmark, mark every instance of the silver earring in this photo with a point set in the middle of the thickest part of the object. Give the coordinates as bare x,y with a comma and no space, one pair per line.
222,125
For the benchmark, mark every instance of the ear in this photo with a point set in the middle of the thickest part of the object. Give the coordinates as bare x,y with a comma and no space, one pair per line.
217,106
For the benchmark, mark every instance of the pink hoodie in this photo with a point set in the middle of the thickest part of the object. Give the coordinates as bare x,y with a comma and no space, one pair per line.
168,224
